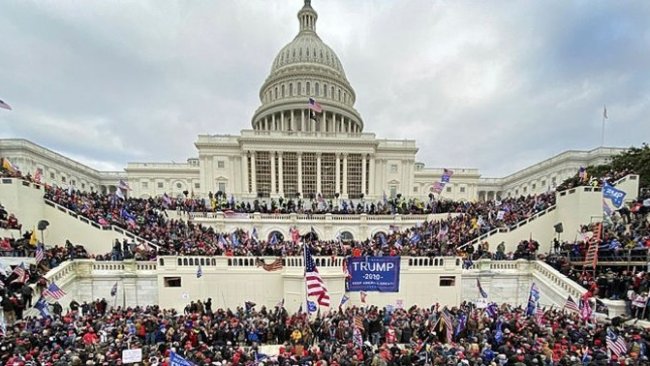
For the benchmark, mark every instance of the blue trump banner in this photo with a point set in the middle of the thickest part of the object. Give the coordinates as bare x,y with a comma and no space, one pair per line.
379,274
616,196
177,360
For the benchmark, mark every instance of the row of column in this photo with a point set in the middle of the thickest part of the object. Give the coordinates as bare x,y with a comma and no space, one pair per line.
341,178
335,123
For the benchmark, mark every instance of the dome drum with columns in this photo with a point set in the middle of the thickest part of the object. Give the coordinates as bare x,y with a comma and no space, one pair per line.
305,68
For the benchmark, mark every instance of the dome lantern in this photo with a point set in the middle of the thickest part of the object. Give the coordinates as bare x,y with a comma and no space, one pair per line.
307,17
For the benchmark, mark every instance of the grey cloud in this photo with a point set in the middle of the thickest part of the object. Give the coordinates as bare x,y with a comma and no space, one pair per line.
496,85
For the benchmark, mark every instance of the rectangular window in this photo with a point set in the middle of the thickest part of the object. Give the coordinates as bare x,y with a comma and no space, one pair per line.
328,175
172,281
222,186
262,173
393,168
197,185
145,185
543,183
448,189
83,185
462,189
534,186
447,281
290,173
52,175
160,184
309,167
74,182
63,179
415,189
393,191
354,175
221,164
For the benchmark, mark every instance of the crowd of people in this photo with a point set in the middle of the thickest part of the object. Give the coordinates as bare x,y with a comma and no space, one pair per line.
96,334
583,178
147,218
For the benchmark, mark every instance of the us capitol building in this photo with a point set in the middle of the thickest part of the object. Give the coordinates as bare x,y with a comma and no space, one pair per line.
292,151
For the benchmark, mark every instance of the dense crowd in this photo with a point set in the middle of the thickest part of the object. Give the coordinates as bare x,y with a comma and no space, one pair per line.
96,334
582,178
147,218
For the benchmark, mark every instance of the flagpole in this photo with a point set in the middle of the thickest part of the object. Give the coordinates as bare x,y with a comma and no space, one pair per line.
602,135
304,275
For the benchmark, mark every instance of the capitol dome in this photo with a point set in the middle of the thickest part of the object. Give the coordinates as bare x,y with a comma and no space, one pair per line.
307,68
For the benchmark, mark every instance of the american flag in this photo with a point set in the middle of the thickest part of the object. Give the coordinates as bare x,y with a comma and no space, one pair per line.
21,274
114,290
276,265
315,106
437,187
358,322
357,338
449,324
446,175
40,253
4,105
315,284
54,291
571,305
616,343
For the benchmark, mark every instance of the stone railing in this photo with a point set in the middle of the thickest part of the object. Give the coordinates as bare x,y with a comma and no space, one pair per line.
509,228
299,217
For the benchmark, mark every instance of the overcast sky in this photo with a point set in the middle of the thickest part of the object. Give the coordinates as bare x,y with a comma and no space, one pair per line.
494,85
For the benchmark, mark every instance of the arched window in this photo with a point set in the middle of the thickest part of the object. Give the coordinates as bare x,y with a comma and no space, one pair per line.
291,89
346,236
317,89
308,88
279,237
282,91
275,96
332,92
299,88
325,90
339,95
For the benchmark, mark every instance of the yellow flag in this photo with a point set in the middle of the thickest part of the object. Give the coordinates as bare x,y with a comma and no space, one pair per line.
33,240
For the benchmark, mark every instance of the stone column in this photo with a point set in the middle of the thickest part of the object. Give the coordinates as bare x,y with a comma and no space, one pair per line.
364,160
280,175
371,182
254,176
300,172
338,174
273,121
318,175
345,176
273,191
292,123
302,120
244,174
